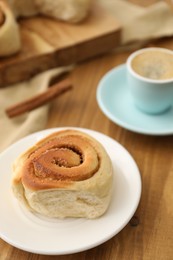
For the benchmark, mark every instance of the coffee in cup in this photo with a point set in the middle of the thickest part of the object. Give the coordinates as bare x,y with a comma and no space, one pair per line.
150,79
152,64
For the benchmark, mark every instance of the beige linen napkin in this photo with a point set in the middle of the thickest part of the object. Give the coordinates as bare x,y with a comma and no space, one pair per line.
138,24
141,23
13,129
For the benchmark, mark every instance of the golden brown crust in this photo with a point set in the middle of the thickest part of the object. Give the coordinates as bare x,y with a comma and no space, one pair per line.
66,174
58,160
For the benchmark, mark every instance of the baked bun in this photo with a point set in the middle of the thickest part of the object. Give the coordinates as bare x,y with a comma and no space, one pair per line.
66,10
66,174
72,11
9,32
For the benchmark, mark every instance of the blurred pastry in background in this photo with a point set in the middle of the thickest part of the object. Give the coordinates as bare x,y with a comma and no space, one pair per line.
72,11
9,31
23,7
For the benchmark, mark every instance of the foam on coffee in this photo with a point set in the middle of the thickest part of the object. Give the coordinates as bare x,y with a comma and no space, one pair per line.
156,65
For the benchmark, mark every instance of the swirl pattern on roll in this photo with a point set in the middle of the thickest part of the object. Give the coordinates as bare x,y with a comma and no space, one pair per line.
64,157
68,173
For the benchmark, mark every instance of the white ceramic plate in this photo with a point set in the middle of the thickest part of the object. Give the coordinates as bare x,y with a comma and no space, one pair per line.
28,232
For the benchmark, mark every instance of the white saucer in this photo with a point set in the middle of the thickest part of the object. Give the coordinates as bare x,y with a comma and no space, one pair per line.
28,232
116,103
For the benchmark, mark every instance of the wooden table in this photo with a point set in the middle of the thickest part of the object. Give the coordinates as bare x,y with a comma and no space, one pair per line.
149,234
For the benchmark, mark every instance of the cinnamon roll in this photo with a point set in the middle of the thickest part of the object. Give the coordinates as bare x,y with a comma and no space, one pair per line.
66,174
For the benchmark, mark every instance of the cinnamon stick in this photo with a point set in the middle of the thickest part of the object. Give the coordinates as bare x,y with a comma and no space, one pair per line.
40,99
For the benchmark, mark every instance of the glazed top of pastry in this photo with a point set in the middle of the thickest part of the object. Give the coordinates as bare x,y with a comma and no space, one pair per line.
58,160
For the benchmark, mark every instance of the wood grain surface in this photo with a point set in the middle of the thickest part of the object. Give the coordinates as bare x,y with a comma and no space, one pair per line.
149,234
48,43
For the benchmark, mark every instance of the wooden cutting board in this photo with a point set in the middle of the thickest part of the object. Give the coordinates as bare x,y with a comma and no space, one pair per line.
48,43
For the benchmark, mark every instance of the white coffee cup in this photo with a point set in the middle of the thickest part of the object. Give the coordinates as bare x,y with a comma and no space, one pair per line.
150,79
